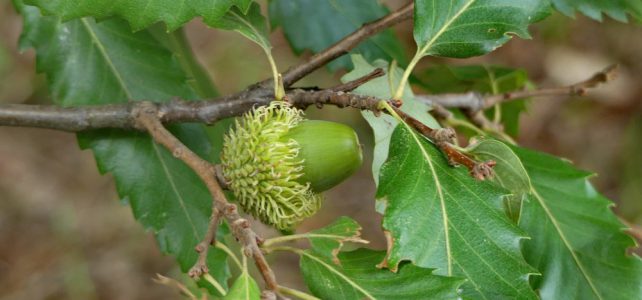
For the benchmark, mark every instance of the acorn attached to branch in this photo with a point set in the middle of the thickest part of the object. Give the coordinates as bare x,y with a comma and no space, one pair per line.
277,163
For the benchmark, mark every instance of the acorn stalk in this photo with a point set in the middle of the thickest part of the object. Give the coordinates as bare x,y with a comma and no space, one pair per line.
277,163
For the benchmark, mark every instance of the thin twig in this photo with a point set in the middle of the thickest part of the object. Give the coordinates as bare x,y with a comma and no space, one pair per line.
479,118
147,117
469,100
203,247
346,44
444,138
577,89
352,85
475,101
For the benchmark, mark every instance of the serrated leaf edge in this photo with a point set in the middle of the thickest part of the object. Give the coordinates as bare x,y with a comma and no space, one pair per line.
442,204
121,82
562,236
555,223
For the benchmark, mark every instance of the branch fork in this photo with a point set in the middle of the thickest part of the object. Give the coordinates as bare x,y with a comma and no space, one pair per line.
147,117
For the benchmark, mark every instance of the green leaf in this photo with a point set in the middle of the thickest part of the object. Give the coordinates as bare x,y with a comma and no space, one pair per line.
357,278
384,125
464,28
509,172
440,217
98,63
197,76
244,288
485,79
329,240
577,242
198,79
251,25
316,24
142,13
616,9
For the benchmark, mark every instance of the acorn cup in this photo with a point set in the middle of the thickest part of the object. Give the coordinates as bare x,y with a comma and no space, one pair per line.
277,163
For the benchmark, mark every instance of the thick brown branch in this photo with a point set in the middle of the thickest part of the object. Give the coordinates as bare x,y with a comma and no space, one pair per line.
346,44
66,119
147,117
82,118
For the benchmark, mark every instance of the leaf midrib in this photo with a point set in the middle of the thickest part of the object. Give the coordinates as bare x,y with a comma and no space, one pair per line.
442,200
566,242
263,43
437,182
108,61
333,270
101,48
444,28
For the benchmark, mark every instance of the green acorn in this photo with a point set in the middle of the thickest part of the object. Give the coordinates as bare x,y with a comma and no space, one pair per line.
276,163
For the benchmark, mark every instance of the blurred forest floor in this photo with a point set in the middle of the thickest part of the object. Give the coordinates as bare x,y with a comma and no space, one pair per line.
65,235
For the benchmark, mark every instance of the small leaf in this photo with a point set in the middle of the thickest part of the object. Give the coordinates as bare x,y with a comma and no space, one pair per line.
577,242
142,13
329,240
509,172
384,125
316,24
616,9
357,278
440,217
464,28
244,288
252,25
98,63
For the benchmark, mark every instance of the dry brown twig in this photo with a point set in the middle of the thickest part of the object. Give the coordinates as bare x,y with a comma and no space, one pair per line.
346,44
577,89
473,103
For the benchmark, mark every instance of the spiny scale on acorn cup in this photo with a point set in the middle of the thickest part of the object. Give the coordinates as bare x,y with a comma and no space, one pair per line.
277,163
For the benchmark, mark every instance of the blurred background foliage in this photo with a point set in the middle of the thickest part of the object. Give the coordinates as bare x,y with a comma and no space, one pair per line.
65,235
